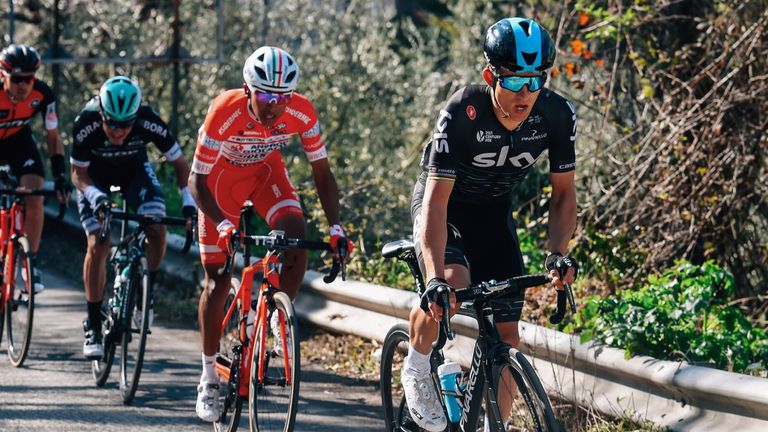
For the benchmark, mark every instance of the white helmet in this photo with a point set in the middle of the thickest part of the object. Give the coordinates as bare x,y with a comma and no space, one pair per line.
271,69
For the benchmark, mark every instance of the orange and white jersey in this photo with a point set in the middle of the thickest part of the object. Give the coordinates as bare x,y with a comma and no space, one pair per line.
232,135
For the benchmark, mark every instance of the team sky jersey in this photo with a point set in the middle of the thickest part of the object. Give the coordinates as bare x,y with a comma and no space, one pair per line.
232,135
93,150
470,147
16,115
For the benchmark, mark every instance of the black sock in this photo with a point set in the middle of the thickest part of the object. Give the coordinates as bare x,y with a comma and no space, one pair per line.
94,316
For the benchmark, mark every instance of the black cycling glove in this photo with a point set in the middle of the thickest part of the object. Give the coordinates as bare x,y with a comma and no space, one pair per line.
430,294
556,260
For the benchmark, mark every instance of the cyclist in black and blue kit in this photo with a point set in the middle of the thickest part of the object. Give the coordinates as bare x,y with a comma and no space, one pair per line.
110,149
486,139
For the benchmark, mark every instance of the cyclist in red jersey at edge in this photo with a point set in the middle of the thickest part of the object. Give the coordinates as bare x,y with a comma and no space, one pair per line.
238,158
21,97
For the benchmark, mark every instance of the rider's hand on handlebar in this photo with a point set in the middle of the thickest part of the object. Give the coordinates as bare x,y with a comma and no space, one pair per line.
190,214
226,230
431,297
63,189
103,203
563,269
339,238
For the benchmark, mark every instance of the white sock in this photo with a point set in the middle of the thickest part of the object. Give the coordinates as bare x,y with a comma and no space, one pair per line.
416,360
209,368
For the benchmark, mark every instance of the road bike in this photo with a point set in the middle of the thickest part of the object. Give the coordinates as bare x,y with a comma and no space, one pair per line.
17,299
131,293
493,361
250,365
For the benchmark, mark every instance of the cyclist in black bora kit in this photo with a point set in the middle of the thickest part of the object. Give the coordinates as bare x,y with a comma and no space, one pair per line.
110,149
487,137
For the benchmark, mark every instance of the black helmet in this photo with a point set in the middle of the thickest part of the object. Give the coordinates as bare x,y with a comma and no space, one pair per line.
19,59
519,45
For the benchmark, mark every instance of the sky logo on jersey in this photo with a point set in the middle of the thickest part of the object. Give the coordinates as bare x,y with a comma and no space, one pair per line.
487,160
486,136
439,138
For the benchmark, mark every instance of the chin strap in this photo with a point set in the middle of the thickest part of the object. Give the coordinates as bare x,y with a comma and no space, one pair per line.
496,102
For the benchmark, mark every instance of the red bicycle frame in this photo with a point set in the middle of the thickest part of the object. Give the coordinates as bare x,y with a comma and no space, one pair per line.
271,281
11,226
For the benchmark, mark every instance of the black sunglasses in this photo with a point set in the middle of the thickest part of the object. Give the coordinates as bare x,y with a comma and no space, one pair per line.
18,79
117,124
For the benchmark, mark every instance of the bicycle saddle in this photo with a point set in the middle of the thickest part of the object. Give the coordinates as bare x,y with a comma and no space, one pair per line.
397,247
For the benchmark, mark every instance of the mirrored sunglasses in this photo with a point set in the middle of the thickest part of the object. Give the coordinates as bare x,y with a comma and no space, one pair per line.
273,98
516,83
18,79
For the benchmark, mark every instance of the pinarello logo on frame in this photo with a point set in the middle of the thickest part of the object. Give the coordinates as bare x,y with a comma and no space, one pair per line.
471,112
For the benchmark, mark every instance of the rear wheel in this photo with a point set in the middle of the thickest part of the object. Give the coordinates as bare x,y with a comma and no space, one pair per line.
273,400
230,349
19,311
531,409
135,329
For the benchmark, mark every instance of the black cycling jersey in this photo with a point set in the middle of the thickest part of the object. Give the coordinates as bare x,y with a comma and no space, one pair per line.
485,160
117,163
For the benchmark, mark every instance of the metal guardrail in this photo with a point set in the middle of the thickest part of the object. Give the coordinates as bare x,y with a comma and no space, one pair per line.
672,394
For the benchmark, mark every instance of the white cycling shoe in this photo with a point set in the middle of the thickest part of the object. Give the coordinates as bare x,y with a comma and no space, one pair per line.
423,400
208,407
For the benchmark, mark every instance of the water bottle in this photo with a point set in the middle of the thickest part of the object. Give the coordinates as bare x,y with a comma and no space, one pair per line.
121,278
249,323
448,371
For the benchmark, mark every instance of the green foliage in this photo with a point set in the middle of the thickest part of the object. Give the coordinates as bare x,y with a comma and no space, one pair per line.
681,314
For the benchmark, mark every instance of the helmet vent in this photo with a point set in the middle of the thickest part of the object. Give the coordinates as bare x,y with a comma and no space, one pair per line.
529,57
260,73
290,77
526,26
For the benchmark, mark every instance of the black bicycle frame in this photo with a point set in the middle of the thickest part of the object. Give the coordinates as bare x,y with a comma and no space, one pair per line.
489,349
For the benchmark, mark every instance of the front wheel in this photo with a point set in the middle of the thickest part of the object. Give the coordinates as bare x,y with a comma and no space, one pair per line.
228,365
393,353
274,394
516,380
135,326
19,311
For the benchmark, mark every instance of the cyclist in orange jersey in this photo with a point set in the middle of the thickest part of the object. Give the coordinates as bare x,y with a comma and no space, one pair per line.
21,97
238,158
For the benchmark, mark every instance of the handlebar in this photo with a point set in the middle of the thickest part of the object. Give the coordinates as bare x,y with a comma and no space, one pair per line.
36,192
144,220
493,289
275,241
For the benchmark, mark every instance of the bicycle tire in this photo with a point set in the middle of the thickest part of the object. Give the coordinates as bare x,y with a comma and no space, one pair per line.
393,354
20,310
231,403
272,403
133,340
531,408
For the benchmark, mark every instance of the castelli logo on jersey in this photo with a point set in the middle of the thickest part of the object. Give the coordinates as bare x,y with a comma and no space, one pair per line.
471,112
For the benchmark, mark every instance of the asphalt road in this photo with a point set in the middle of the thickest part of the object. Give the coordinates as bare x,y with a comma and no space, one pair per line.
54,390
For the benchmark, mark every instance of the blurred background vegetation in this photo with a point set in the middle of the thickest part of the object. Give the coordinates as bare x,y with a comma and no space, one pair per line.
672,99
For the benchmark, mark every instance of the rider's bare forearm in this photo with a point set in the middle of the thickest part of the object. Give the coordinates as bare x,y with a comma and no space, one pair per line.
198,186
